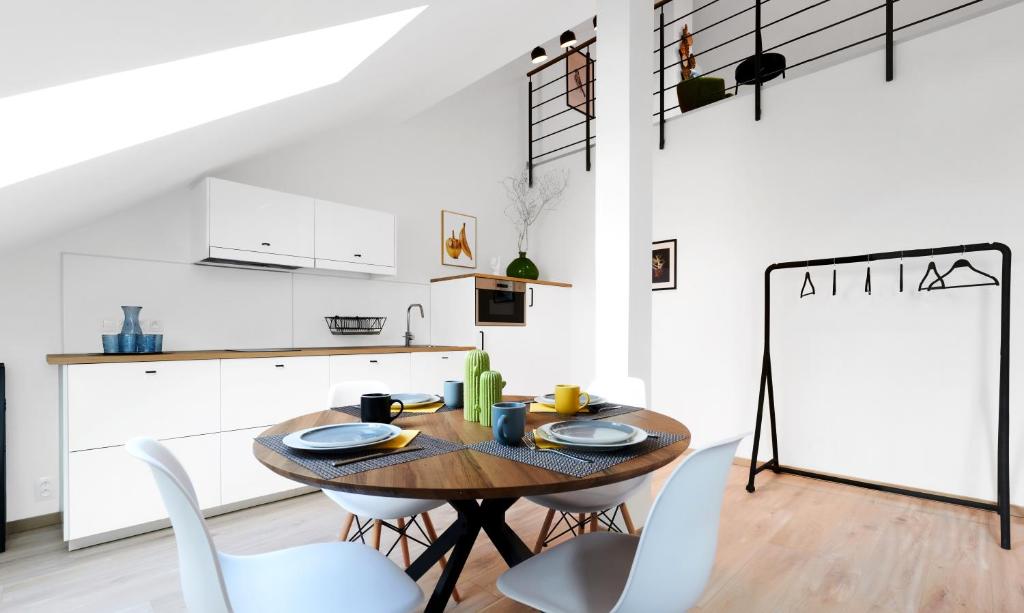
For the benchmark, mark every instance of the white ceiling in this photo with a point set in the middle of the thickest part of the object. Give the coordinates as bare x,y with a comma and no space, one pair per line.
449,46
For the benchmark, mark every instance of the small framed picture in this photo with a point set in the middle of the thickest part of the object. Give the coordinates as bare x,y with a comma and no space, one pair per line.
663,265
458,239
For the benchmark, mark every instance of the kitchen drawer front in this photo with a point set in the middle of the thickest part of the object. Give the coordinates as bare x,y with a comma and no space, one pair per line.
108,404
109,489
430,370
390,368
265,391
242,475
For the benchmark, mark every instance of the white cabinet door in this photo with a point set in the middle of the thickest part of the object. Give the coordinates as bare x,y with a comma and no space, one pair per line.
250,218
513,358
265,391
389,368
109,489
242,475
547,327
453,312
431,369
111,403
356,235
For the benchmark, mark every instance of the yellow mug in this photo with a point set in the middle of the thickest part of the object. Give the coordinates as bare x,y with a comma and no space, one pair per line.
567,400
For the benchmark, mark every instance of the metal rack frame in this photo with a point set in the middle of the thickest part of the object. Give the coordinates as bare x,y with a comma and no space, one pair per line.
1002,504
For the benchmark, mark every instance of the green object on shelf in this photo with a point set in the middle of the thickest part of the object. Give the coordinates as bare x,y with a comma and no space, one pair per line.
490,392
699,91
522,267
477,362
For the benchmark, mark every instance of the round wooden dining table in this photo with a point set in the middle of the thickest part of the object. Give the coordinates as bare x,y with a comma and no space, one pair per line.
481,487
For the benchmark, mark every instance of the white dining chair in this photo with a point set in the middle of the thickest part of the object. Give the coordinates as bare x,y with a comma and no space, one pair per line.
599,505
664,569
317,577
379,511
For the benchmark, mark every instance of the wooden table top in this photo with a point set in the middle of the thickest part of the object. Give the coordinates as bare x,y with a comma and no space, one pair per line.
468,474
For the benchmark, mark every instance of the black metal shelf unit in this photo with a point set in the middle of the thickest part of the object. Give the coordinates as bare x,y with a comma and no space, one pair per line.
767,389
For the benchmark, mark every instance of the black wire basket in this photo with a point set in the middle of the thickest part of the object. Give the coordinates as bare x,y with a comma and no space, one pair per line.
355,324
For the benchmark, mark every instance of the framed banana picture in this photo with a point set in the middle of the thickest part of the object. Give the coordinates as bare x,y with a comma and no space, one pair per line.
458,239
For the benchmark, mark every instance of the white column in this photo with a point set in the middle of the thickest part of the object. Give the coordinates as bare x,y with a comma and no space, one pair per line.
622,208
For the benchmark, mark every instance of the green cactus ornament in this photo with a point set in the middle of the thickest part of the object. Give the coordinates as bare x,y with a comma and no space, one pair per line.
477,362
489,393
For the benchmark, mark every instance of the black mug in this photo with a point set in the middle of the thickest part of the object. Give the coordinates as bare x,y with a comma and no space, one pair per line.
376,408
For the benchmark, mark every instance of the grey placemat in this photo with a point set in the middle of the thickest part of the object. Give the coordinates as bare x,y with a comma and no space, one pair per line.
354,411
322,463
566,466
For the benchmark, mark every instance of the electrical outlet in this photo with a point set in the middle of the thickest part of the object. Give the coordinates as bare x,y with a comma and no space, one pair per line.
44,488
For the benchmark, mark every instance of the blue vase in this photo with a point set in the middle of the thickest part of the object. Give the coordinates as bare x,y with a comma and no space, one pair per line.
131,320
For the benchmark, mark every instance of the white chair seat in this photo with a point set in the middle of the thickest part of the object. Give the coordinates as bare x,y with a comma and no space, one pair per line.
381,507
321,577
587,573
592,500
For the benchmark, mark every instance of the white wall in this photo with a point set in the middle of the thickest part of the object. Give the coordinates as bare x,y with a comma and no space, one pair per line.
891,387
58,292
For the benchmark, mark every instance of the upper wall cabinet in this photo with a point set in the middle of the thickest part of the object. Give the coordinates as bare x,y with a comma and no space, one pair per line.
355,239
245,225
239,223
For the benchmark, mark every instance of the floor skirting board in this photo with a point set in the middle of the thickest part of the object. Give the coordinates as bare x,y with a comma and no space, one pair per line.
31,523
1015,510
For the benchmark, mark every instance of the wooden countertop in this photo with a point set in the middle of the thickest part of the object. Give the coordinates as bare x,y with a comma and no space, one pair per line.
480,275
224,354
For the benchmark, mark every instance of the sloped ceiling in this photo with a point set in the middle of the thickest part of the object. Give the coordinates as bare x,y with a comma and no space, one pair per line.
449,46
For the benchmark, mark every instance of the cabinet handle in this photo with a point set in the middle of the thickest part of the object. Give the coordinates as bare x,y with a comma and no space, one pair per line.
444,357
531,297
358,255
373,361
265,244
150,372
278,365
481,340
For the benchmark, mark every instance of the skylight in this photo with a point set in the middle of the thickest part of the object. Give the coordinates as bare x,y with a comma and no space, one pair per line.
47,129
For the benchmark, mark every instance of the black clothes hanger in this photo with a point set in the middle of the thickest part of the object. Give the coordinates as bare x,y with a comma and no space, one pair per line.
931,269
804,291
987,279
867,279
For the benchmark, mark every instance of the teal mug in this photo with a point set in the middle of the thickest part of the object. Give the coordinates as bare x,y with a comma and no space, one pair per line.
508,422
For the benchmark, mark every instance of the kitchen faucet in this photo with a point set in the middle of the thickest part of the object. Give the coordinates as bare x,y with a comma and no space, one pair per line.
408,323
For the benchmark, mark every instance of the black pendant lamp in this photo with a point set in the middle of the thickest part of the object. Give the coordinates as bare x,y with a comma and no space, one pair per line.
568,39
538,55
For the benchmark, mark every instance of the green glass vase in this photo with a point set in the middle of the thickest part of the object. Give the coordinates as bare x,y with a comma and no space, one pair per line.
522,267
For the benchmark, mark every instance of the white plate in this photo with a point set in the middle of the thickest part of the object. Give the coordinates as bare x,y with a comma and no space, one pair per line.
341,436
592,432
422,400
549,400
638,437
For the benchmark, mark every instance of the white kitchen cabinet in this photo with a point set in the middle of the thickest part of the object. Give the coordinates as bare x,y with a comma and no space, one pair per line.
265,391
393,369
108,404
244,223
430,370
531,358
112,490
354,238
242,475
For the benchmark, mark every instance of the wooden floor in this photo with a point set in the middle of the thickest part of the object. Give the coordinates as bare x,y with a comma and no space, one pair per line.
795,545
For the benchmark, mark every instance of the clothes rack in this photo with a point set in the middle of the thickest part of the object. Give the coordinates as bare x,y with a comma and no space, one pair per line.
767,390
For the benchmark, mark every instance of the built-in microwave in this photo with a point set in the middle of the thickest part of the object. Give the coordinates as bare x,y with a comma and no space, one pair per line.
500,302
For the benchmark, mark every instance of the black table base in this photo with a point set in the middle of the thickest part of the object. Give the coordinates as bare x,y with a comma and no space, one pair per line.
460,537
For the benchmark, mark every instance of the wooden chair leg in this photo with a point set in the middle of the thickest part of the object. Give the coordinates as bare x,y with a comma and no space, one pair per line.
627,519
403,542
375,539
346,527
544,531
443,561
593,522
581,522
